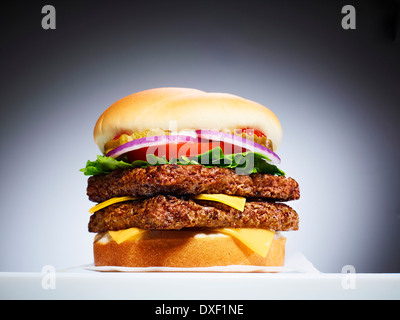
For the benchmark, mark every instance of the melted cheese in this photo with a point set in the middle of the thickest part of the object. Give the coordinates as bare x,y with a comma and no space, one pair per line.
126,234
257,240
110,202
232,201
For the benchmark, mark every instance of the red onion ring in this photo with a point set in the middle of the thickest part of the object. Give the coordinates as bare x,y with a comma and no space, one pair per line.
271,157
148,142
209,135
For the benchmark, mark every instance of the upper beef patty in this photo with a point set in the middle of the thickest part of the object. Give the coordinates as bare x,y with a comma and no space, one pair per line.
174,213
190,179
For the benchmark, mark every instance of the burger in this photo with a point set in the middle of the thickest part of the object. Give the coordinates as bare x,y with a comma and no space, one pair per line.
188,179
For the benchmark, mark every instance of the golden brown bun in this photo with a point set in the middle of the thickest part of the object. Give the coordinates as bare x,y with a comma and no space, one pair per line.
190,108
184,249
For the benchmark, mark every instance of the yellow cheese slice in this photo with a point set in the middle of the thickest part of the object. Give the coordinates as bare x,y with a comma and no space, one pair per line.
258,240
110,202
232,201
126,234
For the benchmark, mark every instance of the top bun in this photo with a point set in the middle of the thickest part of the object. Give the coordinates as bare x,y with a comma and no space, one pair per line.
190,109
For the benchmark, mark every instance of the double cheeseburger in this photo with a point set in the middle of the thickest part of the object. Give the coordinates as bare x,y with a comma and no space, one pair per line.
188,179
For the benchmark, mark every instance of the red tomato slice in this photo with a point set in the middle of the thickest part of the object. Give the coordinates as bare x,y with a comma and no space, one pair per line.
250,131
188,149
176,150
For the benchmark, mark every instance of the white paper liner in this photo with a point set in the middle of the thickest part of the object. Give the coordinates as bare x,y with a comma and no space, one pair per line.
296,262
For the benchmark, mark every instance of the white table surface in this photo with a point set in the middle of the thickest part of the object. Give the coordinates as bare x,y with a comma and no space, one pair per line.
199,286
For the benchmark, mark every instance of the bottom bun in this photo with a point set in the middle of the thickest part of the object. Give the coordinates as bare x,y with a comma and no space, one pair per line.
185,249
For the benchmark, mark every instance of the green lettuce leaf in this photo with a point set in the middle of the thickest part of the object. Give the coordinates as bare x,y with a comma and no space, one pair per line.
244,163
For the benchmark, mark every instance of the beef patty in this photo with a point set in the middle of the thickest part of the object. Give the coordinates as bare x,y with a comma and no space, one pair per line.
174,213
188,180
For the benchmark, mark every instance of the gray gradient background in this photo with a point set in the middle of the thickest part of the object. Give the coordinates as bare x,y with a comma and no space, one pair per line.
336,93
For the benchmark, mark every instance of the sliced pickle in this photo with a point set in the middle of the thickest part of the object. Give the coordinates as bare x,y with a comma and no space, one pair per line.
124,138
110,145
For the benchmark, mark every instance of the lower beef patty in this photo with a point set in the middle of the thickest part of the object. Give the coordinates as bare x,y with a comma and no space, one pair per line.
190,179
174,213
